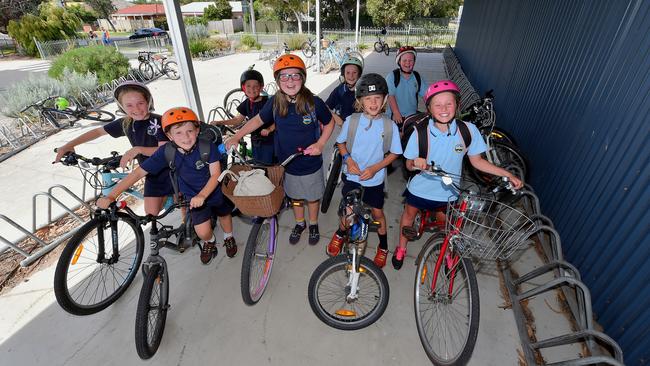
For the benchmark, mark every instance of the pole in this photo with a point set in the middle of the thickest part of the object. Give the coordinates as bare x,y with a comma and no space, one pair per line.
252,16
356,28
308,22
318,43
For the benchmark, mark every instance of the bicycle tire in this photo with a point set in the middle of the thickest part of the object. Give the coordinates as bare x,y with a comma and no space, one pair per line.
306,49
329,303
386,49
49,118
503,155
99,115
333,173
170,69
378,47
87,271
232,100
258,259
148,334
433,310
498,135
146,70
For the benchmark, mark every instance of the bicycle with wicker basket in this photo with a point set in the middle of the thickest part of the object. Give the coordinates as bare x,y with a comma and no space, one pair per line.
261,245
478,228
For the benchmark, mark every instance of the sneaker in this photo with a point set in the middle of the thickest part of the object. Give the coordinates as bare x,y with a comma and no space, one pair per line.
295,233
231,246
334,247
398,257
208,251
380,257
314,235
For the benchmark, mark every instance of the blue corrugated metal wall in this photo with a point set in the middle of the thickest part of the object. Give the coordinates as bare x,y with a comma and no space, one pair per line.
572,83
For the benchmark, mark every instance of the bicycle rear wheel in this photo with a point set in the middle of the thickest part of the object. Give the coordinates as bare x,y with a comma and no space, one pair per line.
170,69
329,288
146,70
503,155
378,47
447,322
99,115
333,174
232,100
151,314
258,259
84,282
307,50
386,49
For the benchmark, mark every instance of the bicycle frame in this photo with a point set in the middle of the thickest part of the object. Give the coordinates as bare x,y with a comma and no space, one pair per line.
451,257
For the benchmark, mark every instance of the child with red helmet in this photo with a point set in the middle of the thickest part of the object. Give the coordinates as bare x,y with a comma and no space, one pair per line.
298,116
446,148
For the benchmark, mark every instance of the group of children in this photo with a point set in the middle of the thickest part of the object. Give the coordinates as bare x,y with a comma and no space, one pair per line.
295,119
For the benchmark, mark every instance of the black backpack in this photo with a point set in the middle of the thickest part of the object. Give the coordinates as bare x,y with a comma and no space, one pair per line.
397,73
419,123
208,135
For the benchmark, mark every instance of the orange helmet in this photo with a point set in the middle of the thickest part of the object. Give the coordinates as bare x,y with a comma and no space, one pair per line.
178,115
288,61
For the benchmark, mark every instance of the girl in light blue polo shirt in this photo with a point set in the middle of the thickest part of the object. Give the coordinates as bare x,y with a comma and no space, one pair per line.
446,149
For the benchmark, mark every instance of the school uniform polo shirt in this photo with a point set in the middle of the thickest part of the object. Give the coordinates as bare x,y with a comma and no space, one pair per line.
296,131
192,173
368,147
146,133
341,101
250,110
407,101
446,150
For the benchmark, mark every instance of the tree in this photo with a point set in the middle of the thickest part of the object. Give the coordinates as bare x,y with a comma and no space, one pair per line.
86,16
103,8
344,9
51,24
14,9
295,7
220,10
386,13
439,8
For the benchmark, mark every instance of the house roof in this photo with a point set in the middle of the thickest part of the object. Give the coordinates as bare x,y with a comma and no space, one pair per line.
199,6
143,9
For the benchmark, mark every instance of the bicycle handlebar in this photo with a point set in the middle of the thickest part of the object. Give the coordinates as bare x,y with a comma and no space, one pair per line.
122,205
71,158
448,179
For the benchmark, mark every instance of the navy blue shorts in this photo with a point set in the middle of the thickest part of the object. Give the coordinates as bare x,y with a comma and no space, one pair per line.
206,212
372,196
422,203
158,185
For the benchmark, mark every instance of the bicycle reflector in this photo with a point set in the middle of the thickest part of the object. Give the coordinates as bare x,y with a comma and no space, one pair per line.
120,205
346,313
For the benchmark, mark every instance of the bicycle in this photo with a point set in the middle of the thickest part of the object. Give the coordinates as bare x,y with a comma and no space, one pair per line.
349,291
446,298
87,279
332,179
273,56
60,108
333,58
381,45
262,242
308,47
153,65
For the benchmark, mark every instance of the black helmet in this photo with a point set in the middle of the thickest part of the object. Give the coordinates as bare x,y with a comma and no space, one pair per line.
251,75
371,84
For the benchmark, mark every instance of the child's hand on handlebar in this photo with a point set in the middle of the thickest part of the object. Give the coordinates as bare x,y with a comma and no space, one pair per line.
104,202
516,182
61,151
197,201
128,156
314,149
420,163
231,143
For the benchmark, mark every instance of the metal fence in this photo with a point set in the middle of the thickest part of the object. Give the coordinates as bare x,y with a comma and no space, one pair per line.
128,47
7,46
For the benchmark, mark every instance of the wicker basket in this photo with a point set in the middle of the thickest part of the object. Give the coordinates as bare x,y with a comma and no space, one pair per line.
260,206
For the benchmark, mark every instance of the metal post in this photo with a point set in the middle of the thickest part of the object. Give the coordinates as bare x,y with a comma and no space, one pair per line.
356,28
252,16
182,52
318,43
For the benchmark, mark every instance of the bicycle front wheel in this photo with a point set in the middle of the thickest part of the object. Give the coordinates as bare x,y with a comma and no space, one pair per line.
333,174
329,289
378,47
151,313
258,259
447,316
386,49
170,69
307,50
146,70
86,280
505,156
99,115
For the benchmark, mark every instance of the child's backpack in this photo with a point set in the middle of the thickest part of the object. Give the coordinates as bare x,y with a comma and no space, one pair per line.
419,122
354,124
208,135
397,73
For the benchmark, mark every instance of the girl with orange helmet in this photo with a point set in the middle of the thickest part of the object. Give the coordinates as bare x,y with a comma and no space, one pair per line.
298,115
144,131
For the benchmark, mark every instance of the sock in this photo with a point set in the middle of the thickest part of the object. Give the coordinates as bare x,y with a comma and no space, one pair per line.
226,235
301,222
313,224
383,241
340,232
212,240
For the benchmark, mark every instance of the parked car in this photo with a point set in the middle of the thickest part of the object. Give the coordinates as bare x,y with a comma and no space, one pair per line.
148,32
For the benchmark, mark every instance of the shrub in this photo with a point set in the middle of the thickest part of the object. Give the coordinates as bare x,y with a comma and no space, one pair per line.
199,45
363,46
249,41
195,21
105,62
198,31
295,41
220,43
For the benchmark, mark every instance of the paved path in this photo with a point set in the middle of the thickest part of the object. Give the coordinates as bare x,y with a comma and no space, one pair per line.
208,322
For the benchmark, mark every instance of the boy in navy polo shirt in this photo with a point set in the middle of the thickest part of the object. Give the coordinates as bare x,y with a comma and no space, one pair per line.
341,99
197,181
366,161
252,83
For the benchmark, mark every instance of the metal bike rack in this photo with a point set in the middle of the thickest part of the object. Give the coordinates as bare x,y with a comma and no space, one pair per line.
44,247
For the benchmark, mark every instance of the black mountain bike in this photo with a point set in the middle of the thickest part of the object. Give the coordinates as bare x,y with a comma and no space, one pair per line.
55,110
381,45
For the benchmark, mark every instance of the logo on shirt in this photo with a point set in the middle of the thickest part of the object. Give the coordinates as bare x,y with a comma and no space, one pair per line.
152,129
199,164
459,148
306,119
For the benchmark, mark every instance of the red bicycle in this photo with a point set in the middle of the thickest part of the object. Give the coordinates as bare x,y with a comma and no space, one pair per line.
478,227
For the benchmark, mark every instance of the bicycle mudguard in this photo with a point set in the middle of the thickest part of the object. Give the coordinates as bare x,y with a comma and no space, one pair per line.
424,247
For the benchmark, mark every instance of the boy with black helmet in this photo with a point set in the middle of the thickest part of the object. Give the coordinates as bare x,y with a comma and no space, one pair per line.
405,85
341,99
252,83
368,142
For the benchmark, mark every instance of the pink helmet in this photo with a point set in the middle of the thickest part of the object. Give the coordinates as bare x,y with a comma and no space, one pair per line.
439,87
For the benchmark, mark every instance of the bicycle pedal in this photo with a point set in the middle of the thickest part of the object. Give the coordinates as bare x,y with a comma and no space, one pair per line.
410,233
